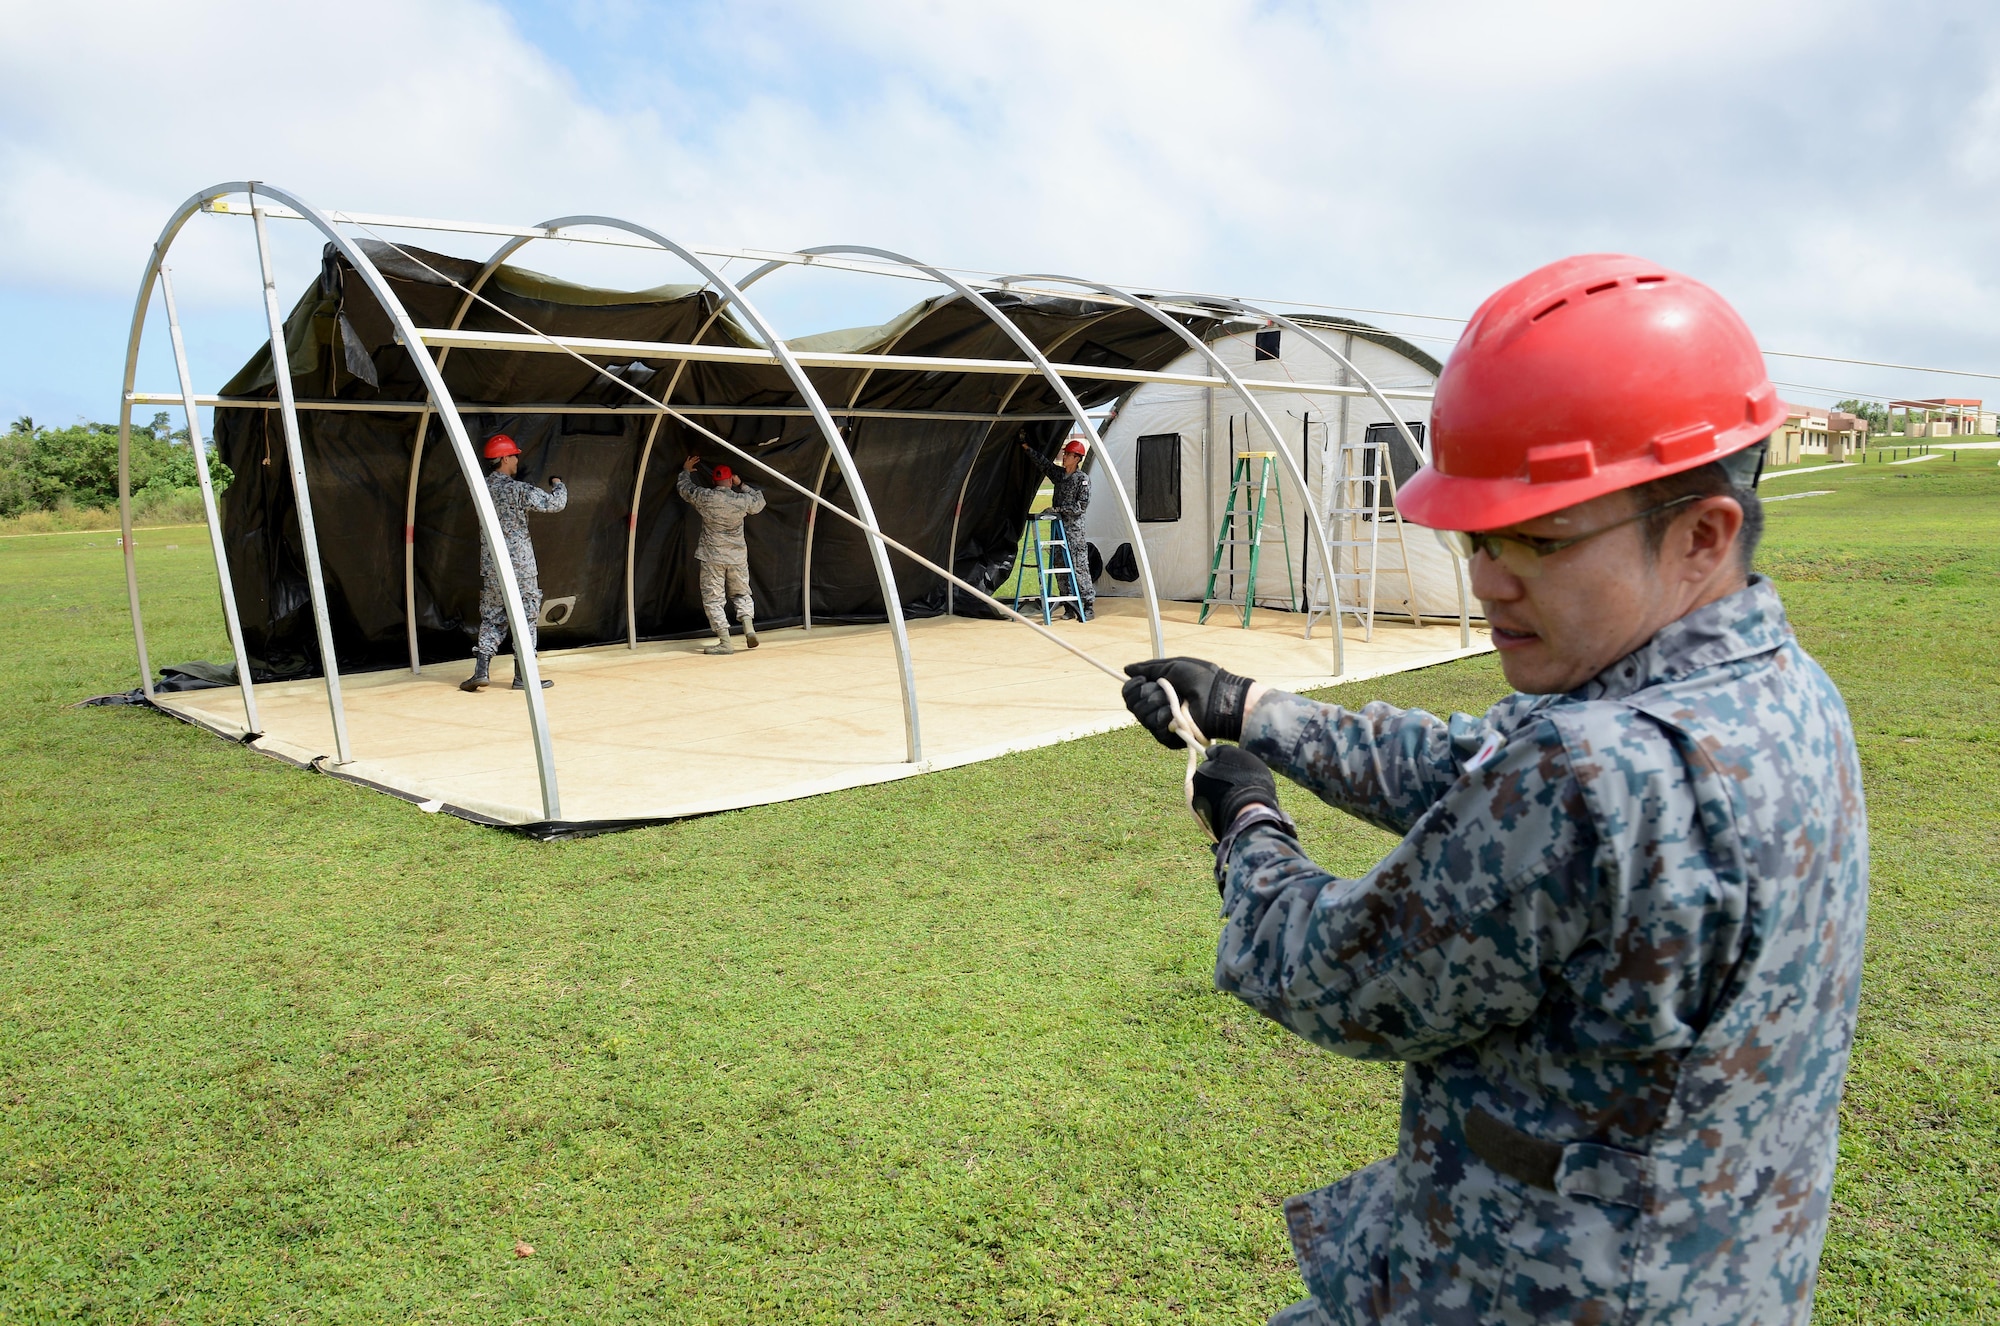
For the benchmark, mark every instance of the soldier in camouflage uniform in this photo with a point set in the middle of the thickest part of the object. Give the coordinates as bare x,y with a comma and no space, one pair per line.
1069,503
512,501
722,553
1619,947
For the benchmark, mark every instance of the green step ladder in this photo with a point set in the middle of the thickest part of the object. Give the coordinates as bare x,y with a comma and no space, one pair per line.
1244,522
1042,550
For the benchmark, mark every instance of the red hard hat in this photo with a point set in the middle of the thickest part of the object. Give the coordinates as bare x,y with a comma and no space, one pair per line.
723,474
501,445
1077,445
1593,374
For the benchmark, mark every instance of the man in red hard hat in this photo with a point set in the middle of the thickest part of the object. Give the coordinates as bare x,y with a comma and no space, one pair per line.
513,499
1618,949
722,553
1069,501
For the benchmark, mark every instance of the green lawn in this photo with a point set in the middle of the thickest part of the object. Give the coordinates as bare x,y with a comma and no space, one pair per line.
277,1048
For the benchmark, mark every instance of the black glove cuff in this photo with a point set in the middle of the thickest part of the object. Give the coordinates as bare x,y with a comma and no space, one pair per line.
1237,827
1224,719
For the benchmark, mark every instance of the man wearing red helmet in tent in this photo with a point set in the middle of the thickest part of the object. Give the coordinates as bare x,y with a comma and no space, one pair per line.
1069,501
722,553
1618,949
513,499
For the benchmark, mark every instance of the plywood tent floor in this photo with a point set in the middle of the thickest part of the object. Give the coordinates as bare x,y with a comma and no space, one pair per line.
664,731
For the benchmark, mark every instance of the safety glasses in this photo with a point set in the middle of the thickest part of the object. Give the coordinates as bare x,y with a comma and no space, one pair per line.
1522,554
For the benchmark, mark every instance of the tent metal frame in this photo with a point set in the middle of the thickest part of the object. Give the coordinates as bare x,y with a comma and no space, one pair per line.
265,201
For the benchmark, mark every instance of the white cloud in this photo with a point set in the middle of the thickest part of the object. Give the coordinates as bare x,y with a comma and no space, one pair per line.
1383,154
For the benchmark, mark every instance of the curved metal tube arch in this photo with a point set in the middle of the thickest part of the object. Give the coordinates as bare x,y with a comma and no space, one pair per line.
972,460
224,582
434,384
154,262
295,458
1290,462
877,550
468,463
500,255
1069,400
819,484
1421,452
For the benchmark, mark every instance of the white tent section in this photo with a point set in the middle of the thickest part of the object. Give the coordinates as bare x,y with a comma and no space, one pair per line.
1180,508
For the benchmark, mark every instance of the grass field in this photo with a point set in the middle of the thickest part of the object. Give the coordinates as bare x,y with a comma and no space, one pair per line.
279,1049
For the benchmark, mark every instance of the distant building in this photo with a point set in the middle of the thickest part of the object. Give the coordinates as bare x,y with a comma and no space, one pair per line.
1810,431
1942,416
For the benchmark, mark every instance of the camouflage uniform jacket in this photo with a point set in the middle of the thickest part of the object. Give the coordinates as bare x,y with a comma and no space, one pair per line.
1071,497
1627,920
513,499
722,513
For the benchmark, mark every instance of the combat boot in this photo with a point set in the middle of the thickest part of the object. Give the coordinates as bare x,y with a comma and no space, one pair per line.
749,632
546,683
721,646
479,679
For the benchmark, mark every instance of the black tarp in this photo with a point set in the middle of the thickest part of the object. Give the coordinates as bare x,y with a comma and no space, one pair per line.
357,462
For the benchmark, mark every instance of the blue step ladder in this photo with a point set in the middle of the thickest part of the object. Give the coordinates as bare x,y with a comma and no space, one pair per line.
1046,548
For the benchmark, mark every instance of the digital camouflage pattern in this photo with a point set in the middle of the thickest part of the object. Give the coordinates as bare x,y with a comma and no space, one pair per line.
1069,503
1627,920
722,513
513,500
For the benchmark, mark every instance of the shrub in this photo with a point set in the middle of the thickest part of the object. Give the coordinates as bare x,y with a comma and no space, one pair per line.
42,468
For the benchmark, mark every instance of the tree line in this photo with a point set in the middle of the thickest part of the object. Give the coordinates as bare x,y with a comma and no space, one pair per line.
47,469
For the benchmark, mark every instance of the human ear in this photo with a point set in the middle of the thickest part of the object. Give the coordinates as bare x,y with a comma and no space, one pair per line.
1710,526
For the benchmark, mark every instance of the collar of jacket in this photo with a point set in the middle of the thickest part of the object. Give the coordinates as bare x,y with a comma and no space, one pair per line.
1747,623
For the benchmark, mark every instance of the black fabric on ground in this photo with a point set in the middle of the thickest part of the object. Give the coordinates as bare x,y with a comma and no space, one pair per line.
358,463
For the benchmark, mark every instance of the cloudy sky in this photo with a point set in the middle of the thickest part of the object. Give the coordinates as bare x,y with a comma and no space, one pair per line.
1833,168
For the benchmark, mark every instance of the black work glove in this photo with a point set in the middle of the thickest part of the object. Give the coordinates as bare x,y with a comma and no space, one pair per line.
1214,698
1227,782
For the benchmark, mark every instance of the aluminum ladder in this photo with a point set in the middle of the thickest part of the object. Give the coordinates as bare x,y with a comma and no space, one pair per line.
1361,497
1244,521
1047,574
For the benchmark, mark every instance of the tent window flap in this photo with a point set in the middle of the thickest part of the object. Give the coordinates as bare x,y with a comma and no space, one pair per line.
1159,495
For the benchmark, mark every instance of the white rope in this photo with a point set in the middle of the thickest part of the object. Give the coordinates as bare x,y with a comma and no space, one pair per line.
782,478
1183,726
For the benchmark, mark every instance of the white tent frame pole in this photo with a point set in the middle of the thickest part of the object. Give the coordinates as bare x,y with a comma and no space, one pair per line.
295,452
646,458
1026,346
1235,383
154,261
311,405
225,583
552,230
877,550
979,279
972,459
542,343
819,483
1417,449
806,554
525,659
632,528
410,537
417,460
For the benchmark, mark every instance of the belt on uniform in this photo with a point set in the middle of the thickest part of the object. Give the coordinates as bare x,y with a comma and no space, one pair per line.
1574,1169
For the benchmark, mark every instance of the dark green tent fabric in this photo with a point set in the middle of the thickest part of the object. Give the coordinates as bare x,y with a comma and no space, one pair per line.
339,346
